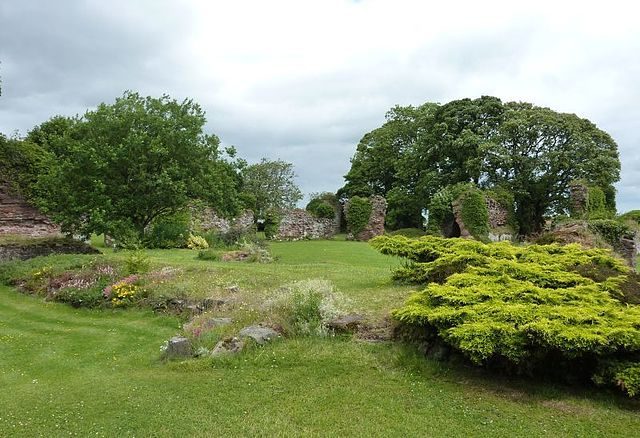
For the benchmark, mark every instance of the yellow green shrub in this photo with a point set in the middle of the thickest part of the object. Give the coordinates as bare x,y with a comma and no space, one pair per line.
524,306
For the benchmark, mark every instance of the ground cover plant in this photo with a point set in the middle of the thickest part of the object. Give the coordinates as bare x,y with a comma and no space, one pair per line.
535,309
298,385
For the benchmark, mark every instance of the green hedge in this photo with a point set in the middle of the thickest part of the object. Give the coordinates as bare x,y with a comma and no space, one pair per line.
542,309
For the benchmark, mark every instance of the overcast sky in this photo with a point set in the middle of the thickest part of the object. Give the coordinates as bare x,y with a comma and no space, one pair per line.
303,81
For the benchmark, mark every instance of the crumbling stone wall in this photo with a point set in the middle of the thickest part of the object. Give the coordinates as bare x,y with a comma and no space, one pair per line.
498,215
375,226
299,224
18,217
579,198
44,247
498,221
630,249
208,219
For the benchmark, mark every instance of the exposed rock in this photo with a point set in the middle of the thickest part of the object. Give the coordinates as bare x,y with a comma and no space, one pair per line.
234,288
213,302
346,323
201,325
259,334
299,224
194,309
178,347
228,346
377,332
629,249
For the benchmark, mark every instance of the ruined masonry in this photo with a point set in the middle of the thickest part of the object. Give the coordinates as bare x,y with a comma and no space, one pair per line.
18,217
375,227
207,219
499,229
300,224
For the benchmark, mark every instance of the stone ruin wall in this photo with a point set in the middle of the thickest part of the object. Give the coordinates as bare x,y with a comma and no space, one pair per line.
208,219
299,224
499,229
579,199
18,217
375,226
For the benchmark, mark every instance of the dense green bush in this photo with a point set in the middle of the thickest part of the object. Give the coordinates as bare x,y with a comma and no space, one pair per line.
324,211
408,232
358,214
272,223
610,230
169,232
197,242
597,203
209,254
323,205
137,262
531,309
232,238
89,298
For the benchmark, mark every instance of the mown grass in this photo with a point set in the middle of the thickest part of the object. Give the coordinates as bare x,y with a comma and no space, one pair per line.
66,371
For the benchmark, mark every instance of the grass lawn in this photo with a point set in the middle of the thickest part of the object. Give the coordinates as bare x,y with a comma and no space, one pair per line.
66,371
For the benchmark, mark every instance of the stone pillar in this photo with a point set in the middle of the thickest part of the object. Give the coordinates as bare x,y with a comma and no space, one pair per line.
375,226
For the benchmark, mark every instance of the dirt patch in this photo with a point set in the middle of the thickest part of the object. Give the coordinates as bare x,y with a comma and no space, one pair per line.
568,408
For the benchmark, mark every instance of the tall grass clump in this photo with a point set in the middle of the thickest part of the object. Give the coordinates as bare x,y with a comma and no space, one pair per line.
304,308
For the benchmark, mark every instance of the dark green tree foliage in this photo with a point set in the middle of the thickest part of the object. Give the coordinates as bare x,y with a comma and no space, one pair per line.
379,166
558,310
21,163
270,185
272,219
532,152
358,214
538,152
323,205
125,164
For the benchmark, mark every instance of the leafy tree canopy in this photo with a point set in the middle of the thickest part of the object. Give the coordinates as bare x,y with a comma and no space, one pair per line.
270,185
21,162
125,164
532,152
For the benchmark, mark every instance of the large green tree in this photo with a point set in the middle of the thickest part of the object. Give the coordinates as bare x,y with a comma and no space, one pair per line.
531,151
537,152
380,165
123,165
270,185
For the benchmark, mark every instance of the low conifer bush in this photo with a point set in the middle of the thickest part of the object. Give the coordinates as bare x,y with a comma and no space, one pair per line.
534,309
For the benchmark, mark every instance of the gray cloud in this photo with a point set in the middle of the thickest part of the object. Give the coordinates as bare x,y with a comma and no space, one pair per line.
305,82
